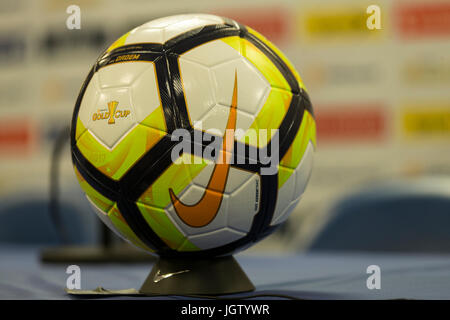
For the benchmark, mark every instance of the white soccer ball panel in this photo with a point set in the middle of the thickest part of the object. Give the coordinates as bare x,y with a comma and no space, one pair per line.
208,74
145,93
285,195
211,54
216,238
244,204
105,219
252,88
198,89
164,29
145,35
236,178
191,195
292,190
127,90
121,74
286,213
214,121
107,133
189,21
304,170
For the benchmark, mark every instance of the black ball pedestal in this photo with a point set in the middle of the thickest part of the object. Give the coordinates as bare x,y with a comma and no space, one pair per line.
196,276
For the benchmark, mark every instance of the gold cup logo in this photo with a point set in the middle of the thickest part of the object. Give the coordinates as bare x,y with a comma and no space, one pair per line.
112,105
111,114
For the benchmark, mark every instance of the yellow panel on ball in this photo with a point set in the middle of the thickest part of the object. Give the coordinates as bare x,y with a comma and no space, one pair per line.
124,229
280,54
157,197
277,103
116,162
98,199
165,229
119,42
305,134
109,209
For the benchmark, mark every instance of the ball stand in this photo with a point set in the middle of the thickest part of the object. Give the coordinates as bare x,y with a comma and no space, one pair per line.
183,276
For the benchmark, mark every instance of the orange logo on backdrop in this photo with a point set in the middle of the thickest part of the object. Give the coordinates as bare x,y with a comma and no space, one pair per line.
111,115
204,211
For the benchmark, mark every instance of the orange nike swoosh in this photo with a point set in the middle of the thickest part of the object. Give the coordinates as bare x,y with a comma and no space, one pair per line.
204,211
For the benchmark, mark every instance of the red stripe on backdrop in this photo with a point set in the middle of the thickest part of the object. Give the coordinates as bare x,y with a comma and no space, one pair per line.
17,137
424,19
347,124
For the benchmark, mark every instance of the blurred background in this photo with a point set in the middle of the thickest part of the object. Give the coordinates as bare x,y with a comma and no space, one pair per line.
381,100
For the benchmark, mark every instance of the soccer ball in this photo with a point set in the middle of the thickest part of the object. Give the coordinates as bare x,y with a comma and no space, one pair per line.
193,135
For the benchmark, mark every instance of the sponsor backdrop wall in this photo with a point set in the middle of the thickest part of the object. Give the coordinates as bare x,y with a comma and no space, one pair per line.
381,97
